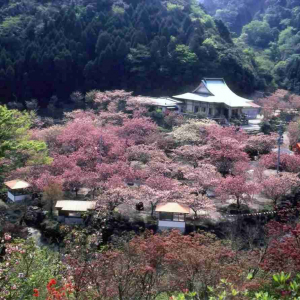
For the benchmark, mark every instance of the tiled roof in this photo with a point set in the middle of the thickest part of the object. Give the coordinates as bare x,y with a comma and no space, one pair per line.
217,91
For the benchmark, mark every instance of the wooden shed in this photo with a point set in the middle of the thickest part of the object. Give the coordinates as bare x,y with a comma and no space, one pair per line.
70,211
18,190
172,216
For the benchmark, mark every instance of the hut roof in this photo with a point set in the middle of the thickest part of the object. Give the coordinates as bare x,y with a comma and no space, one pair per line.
17,184
73,205
172,207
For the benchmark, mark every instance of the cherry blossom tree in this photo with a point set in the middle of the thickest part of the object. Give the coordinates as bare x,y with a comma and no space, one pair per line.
112,101
294,133
275,102
204,177
225,152
226,148
217,132
138,106
136,130
238,188
152,196
295,101
73,179
112,198
172,119
146,153
199,202
288,163
260,144
193,132
191,154
276,187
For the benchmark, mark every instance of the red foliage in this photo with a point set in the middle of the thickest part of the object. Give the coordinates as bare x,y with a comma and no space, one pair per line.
58,293
36,293
152,264
283,252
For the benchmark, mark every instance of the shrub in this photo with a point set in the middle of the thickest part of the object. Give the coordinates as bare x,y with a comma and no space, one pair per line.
3,206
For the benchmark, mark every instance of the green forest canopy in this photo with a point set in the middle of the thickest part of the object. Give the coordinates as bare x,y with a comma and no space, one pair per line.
267,30
154,47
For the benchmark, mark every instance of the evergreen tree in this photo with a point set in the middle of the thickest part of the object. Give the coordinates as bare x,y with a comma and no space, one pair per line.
103,41
59,48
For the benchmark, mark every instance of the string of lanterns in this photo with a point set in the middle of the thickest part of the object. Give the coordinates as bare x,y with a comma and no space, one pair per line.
264,213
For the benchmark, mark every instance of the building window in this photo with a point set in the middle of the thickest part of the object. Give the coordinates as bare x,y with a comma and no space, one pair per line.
166,216
196,109
210,111
203,109
178,217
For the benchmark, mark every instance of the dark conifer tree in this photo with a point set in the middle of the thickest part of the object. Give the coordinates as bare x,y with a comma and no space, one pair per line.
95,45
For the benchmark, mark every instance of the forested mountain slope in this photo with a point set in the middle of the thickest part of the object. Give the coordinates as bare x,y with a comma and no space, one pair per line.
151,47
272,35
234,13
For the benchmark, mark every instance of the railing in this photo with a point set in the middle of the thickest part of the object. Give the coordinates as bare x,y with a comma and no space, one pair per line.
273,212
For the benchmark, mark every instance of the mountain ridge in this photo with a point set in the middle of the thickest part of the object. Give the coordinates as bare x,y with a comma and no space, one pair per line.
152,48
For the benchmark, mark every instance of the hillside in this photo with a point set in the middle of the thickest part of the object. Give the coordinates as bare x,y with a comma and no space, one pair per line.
270,32
150,47
234,13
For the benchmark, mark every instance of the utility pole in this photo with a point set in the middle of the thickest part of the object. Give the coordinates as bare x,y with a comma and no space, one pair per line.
279,142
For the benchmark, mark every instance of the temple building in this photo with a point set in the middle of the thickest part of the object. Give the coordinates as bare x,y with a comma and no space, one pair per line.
214,98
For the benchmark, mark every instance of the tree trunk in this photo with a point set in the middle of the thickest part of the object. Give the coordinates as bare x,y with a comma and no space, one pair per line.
195,216
238,203
51,207
275,203
152,208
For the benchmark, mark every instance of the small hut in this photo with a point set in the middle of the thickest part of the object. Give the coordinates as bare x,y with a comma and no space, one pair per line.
172,216
70,211
18,190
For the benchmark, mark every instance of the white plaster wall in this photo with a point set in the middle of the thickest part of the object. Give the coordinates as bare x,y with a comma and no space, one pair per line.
165,225
189,106
17,198
10,196
251,113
